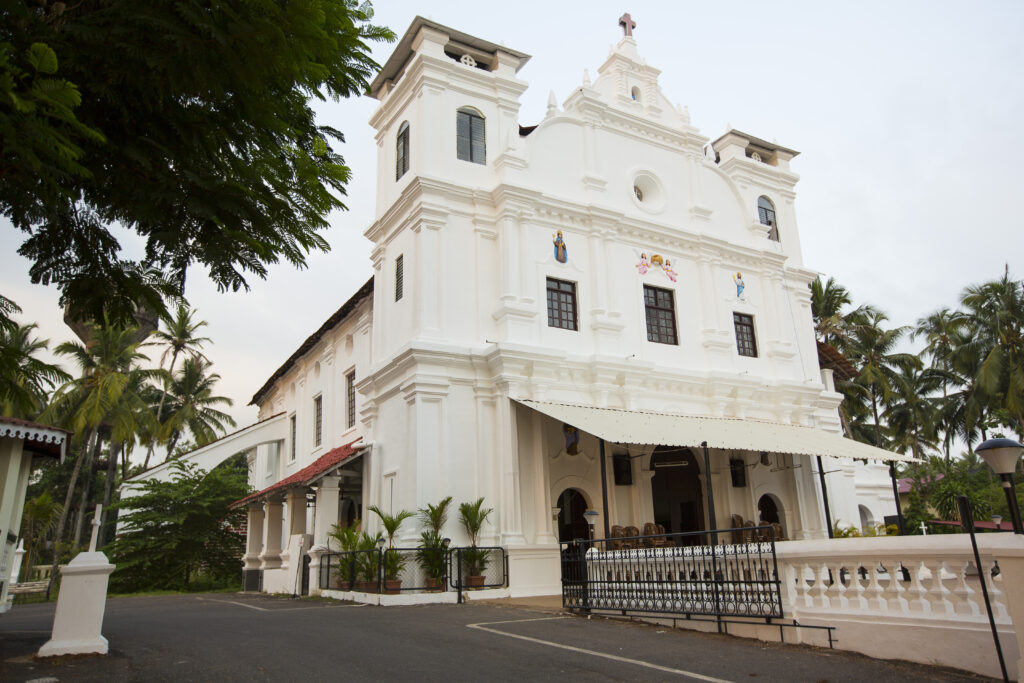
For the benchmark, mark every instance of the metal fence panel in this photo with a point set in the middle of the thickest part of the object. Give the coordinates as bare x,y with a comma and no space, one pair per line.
675,574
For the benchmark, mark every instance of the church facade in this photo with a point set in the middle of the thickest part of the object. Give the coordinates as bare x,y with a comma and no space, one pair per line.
563,316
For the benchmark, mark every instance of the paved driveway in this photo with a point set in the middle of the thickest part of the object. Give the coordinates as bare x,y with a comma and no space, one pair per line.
227,637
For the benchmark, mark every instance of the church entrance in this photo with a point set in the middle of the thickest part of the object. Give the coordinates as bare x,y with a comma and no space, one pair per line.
571,522
676,491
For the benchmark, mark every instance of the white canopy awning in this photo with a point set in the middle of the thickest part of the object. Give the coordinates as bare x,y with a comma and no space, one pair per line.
642,427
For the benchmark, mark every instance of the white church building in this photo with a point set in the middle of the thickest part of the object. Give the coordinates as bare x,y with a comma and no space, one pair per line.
562,316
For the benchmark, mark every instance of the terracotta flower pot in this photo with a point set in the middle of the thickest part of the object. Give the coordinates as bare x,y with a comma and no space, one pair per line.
432,584
392,586
476,581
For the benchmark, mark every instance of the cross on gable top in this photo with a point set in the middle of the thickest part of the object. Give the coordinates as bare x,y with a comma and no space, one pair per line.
627,24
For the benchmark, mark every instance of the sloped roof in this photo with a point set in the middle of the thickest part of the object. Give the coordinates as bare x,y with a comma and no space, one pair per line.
311,341
829,357
39,438
306,475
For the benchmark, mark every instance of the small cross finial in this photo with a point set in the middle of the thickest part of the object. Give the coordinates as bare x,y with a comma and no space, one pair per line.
627,24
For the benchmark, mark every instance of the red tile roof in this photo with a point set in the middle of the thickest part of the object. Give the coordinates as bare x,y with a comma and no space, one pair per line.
905,484
306,475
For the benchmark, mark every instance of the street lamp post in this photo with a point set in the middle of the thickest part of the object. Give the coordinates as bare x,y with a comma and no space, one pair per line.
591,517
1002,456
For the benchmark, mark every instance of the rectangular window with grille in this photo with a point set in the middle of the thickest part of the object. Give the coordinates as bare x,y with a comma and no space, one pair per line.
294,434
746,344
399,276
470,138
402,151
350,399
661,315
318,420
562,304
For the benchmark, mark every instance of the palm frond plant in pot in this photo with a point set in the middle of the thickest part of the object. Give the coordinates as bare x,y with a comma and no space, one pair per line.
394,561
472,516
432,552
346,538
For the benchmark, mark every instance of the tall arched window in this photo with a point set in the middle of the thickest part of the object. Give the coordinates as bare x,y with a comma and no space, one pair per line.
469,132
402,151
766,213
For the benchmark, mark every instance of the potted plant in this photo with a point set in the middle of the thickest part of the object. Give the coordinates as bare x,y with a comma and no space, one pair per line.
472,516
431,554
347,539
394,561
357,565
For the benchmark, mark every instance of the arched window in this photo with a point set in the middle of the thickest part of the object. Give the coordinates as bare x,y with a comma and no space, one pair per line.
402,151
766,214
469,132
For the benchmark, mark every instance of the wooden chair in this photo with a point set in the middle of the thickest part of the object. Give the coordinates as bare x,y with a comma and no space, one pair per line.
779,535
616,533
651,536
631,531
736,536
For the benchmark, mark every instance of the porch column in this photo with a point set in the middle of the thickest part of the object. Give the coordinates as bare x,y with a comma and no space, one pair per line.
253,537
295,504
271,555
326,514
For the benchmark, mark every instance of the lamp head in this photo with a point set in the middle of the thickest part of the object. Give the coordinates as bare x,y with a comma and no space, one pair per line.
1000,454
591,517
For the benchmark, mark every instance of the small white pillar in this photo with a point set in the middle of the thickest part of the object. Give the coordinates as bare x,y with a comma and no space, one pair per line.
19,557
78,623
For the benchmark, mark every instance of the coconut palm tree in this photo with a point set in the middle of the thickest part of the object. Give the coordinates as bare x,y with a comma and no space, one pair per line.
38,521
191,405
911,414
872,350
110,376
178,338
25,380
995,314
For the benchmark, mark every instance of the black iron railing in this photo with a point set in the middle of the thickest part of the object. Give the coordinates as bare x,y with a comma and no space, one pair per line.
395,570
675,574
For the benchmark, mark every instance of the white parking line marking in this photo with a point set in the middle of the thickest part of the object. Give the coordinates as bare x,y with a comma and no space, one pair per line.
279,609
657,667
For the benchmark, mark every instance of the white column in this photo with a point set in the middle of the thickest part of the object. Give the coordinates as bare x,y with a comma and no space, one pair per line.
253,537
326,515
271,556
510,508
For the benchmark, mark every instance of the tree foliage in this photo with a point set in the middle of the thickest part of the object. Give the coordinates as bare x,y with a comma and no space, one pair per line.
194,130
176,533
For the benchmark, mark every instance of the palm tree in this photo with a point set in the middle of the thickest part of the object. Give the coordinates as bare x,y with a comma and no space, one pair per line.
190,405
25,380
827,302
38,521
995,315
871,348
110,377
911,415
179,338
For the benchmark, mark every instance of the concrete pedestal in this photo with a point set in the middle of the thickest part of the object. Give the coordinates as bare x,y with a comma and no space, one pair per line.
78,622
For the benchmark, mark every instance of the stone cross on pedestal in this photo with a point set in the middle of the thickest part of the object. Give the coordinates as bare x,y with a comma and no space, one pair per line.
924,529
96,522
627,24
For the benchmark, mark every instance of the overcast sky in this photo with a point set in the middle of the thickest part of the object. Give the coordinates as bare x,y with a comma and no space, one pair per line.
907,116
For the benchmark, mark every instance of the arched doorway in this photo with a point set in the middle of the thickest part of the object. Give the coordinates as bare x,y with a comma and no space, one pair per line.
768,511
676,491
571,522
867,519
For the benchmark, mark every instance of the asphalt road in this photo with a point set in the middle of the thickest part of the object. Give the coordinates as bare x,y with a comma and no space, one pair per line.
228,637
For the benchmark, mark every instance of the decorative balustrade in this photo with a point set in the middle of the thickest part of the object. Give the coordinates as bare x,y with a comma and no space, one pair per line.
914,576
